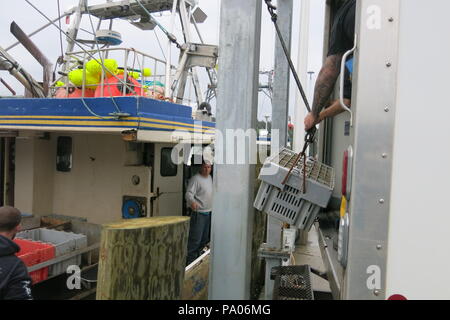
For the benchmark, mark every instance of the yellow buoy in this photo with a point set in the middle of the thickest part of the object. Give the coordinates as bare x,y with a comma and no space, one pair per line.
76,77
94,67
147,72
135,74
92,81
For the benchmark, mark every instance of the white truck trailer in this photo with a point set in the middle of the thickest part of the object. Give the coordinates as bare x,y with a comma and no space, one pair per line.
393,234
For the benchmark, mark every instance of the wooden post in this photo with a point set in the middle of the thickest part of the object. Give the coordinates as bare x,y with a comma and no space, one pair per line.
143,259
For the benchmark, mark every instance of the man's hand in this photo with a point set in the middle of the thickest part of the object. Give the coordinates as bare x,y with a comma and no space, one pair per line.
310,121
331,111
194,206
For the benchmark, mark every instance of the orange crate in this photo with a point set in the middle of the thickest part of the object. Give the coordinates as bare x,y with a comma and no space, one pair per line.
32,253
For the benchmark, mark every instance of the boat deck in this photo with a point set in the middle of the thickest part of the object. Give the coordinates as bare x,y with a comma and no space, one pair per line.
143,115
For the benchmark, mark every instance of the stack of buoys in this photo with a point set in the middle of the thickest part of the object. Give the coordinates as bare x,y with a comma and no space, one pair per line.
113,82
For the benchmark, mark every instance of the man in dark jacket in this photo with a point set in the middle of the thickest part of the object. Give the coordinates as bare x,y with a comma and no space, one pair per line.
341,40
15,282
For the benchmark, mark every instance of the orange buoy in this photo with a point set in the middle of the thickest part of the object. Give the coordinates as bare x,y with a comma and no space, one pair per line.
112,87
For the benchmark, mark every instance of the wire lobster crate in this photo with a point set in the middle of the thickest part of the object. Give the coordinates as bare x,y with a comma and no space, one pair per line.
292,283
289,202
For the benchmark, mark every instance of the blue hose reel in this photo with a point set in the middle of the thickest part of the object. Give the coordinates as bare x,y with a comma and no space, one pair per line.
133,208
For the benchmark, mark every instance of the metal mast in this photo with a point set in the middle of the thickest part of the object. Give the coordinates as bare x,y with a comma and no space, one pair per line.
232,219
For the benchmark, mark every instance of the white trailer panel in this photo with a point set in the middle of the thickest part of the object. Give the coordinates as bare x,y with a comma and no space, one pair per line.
419,219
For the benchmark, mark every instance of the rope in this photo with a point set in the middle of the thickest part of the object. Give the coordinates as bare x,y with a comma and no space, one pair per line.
92,112
171,37
159,43
134,60
309,136
271,8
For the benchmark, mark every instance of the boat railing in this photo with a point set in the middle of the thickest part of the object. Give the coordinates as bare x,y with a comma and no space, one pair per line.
119,72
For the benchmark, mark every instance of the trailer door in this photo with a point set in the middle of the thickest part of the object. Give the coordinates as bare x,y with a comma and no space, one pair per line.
167,183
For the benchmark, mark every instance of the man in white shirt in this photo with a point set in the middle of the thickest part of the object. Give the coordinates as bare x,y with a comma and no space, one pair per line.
199,199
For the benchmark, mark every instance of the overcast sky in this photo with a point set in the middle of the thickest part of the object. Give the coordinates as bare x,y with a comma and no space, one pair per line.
49,41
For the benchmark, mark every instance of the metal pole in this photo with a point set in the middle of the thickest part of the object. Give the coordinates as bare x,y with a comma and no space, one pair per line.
73,32
211,71
8,87
36,53
185,23
169,51
280,113
38,30
233,213
280,101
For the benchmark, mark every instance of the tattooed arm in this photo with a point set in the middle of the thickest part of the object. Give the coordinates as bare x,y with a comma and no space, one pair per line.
325,82
324,87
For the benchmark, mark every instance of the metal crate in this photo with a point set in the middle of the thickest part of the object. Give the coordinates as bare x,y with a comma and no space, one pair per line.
64,242
288,202
292,283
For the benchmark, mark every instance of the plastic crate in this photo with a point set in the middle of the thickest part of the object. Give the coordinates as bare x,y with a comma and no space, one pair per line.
64,243
32,253
288,202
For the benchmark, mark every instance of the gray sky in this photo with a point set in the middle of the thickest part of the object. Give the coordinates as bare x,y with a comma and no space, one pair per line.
49,41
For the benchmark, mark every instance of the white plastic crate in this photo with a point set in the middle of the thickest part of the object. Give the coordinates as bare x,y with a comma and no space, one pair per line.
64,242
288,202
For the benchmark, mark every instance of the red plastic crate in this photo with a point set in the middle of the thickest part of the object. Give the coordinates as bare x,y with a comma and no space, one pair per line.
32,253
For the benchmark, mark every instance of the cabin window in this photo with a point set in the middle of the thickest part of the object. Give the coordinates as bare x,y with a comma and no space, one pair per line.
64,154
168,168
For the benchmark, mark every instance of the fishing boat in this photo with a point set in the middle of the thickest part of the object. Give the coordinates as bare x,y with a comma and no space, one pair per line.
110,135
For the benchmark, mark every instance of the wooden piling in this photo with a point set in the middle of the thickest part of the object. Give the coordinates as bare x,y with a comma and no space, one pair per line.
143,259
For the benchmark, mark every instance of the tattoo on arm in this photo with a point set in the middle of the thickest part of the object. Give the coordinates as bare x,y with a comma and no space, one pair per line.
325,82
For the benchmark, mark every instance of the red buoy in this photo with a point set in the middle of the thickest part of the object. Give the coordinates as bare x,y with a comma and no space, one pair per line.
113,87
